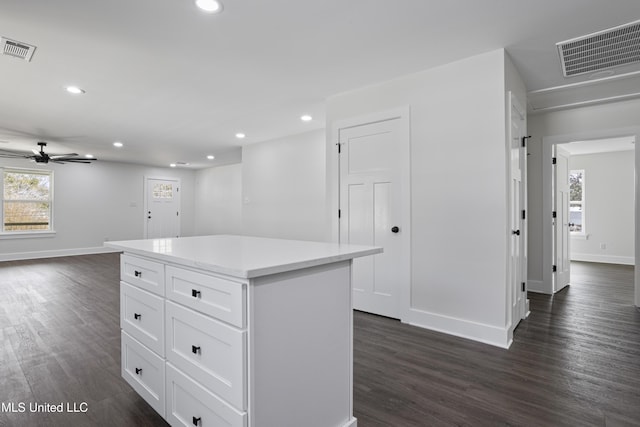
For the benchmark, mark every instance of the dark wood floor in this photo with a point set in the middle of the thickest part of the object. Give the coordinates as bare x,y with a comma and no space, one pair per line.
575,361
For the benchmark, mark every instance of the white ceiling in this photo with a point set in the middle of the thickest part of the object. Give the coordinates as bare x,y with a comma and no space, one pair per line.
596,146
175,84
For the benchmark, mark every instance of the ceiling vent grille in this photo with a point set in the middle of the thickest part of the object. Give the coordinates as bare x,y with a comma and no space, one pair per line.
600,51
17,49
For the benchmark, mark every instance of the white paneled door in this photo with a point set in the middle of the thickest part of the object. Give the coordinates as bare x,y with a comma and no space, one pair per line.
162,208
371,212
517,189
561,223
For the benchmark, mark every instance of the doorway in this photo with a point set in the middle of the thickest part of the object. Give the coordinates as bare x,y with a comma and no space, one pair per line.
161,208
559,229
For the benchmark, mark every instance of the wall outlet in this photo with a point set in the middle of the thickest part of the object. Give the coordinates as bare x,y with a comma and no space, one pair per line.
603,246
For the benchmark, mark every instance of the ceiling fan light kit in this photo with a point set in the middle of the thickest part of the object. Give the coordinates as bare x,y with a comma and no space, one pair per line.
42,157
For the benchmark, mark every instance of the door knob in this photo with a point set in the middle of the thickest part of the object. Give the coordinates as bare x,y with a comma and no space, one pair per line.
395,229
516,232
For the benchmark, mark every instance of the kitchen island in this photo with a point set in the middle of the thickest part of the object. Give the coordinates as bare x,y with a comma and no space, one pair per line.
239,331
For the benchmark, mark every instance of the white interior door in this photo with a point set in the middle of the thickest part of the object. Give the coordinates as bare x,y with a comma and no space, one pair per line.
561,222
371,212
517,215
162,208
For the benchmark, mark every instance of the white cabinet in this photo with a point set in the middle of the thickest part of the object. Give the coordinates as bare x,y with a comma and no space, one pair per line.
144,371
239,331
208,350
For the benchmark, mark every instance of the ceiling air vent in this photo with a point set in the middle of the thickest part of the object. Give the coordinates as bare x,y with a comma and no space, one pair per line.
602,50
17,49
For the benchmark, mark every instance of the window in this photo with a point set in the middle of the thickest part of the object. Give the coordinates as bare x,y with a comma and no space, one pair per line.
576,201
27,200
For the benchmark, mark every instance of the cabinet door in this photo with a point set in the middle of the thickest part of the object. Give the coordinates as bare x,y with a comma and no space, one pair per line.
142,316
189,404
144,371
144,273
215,296
208,350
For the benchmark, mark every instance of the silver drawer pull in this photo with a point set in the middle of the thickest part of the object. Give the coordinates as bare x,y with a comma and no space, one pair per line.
195,350
195,293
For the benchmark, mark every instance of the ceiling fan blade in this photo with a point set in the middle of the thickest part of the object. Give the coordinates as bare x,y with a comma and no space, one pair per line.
8,155
63,155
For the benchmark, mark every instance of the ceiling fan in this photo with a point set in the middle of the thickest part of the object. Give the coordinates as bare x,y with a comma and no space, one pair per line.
42,157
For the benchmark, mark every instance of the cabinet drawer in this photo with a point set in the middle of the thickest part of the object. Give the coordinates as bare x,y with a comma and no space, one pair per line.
142,316
141,272
190,404
208,350
144,371
220,298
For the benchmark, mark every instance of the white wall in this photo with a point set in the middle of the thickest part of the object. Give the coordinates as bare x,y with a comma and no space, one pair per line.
458,188
218,198
283,188
94,203
609,207
592,122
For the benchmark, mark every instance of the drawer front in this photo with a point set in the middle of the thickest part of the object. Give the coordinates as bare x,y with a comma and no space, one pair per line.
144,371
220,298
208,350
148,275
190,404
142,316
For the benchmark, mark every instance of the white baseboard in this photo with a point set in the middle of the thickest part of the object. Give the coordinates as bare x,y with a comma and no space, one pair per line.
607,259
18,256
459,327
538,287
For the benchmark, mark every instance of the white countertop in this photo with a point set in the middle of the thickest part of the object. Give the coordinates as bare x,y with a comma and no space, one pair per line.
243,256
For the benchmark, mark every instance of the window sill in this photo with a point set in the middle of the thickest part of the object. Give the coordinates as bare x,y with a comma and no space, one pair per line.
27,234
579,236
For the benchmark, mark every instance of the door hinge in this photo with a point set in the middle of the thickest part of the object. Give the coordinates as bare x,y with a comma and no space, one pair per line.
339,148
524,214
524,286
524,140
554,214
339,213
177,213
554,269
553,161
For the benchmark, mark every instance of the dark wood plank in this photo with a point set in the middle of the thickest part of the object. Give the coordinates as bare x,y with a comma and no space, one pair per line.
574,362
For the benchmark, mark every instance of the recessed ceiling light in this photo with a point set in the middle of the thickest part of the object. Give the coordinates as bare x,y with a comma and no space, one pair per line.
118,144
306,118
240,135
173,165
74,90
210,157
210,6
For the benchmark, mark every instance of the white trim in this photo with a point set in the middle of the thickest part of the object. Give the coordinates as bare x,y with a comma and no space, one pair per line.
537,286
606,259
36,234
333,186
492,335
18,256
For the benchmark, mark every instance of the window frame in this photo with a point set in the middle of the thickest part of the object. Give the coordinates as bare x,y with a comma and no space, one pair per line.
583,231
21,234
